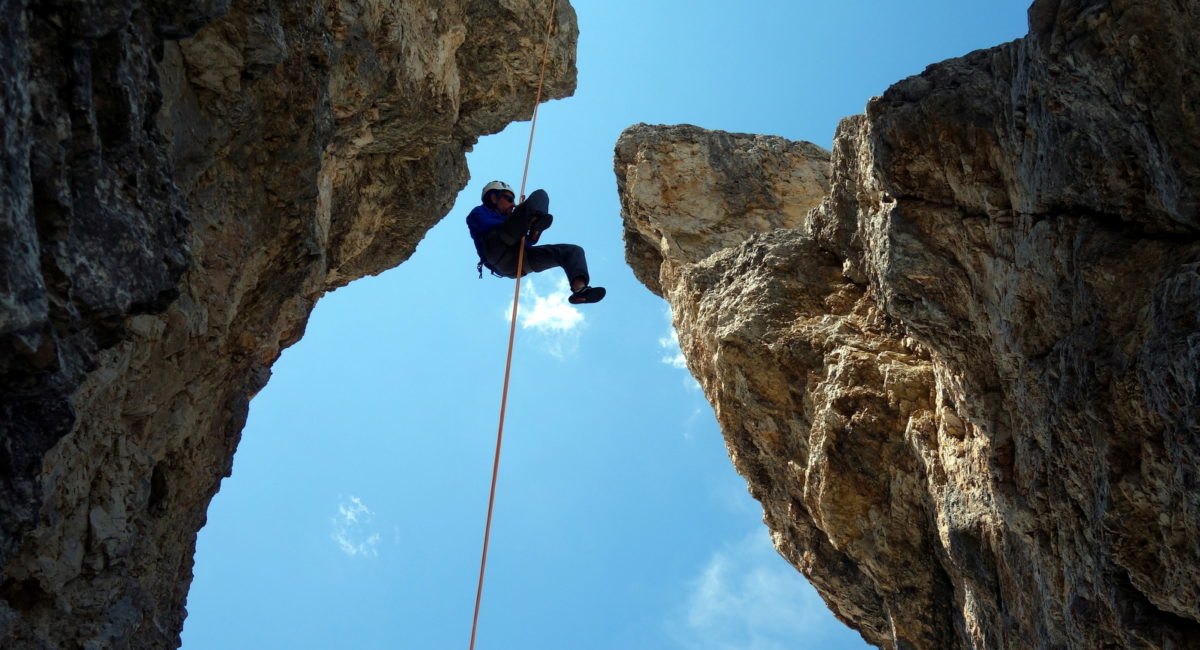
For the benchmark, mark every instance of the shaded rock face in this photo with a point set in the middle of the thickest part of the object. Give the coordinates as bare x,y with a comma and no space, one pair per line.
181,182
965,386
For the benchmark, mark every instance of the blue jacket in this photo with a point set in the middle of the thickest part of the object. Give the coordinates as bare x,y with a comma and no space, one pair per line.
480,222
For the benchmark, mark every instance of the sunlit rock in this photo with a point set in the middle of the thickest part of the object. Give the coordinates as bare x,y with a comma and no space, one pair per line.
964,387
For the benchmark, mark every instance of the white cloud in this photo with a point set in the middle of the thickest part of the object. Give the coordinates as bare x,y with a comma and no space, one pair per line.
673,355
748,598
689,428
354,529
550,315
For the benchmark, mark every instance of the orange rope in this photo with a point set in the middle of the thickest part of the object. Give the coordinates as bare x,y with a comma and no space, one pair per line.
512,335
538,100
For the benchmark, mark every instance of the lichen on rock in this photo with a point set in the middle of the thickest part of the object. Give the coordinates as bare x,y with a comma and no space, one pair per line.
963,386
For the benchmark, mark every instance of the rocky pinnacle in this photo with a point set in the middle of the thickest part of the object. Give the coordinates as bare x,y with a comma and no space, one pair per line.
956,357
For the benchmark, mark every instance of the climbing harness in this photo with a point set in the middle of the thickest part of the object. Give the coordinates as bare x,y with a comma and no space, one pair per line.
512,331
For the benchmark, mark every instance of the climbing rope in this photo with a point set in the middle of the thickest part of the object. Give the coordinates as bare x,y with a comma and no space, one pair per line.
512,331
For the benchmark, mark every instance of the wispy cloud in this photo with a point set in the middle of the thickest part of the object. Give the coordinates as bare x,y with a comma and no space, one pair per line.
673,354
689,427
747,598
549,315
354,529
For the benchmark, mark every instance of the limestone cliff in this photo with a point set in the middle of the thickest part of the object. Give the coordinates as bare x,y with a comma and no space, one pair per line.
965,385
181,182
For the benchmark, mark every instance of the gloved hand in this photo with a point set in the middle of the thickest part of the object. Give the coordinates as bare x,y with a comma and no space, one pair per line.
540,223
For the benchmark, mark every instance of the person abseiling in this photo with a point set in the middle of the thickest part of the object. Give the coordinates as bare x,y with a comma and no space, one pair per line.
497,227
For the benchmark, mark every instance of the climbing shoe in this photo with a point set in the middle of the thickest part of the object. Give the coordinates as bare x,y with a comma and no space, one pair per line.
586,295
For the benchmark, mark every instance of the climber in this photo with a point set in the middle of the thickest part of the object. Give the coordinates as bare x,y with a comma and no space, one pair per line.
497,227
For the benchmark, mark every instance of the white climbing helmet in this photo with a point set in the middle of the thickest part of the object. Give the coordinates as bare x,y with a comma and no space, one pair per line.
496,185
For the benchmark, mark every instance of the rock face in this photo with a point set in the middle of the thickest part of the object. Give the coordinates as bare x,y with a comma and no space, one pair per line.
966,385
181,182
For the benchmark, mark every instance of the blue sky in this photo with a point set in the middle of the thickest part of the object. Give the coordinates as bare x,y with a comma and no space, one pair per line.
354,516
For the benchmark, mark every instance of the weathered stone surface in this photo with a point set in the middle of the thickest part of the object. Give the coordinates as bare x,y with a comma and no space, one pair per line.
170,210
965,388
686,167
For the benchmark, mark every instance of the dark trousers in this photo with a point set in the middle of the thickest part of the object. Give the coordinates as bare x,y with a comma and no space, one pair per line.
502,244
